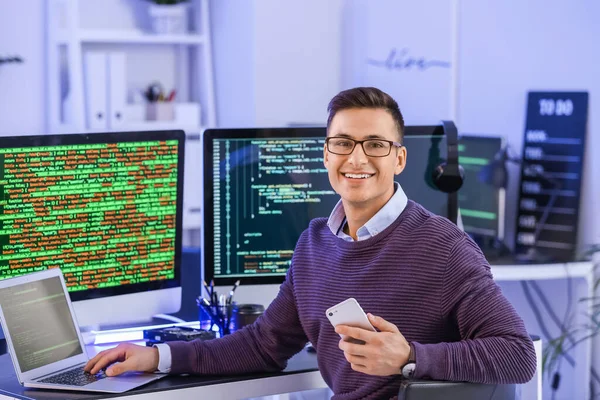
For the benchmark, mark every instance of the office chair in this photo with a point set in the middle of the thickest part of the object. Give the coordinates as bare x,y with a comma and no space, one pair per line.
440,390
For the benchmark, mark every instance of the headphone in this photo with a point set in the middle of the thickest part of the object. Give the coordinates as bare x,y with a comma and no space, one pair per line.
448,175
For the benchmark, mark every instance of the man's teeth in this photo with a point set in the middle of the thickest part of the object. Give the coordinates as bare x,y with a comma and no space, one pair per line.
357,176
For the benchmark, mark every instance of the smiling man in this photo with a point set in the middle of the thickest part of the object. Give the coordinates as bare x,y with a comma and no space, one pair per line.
438,312
362,154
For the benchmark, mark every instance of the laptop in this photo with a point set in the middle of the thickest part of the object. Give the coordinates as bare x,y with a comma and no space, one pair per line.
44,340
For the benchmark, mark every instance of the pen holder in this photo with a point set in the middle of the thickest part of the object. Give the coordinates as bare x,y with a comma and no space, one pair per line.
219,316
245,314
160,111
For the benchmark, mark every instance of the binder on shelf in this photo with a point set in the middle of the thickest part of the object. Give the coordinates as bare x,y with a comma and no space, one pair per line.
117,90
96,99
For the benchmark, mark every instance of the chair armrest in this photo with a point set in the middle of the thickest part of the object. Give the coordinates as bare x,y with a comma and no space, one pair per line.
442,390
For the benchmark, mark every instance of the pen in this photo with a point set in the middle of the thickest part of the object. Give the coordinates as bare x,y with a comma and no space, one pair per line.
235,286
201,301
206,288
214,318
205,302
213,299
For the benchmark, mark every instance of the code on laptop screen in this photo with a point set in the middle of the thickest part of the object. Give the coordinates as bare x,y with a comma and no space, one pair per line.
39,323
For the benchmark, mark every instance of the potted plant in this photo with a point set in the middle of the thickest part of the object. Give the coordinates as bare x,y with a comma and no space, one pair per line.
169,16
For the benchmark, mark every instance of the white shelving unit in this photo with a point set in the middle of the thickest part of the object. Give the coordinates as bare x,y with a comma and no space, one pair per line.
136,37
67,42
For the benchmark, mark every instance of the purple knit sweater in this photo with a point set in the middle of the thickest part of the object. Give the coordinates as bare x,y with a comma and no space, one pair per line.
421,273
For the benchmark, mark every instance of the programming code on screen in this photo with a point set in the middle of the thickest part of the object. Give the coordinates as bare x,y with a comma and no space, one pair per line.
478,199
103,213
265,193
40,323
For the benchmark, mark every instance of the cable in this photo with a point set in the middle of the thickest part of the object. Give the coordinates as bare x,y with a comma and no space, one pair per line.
540,321
561,325
556,381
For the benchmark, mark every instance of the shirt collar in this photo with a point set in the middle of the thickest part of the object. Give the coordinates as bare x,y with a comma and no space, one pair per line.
381,220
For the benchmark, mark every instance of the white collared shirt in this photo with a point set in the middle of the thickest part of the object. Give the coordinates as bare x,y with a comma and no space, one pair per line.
381,220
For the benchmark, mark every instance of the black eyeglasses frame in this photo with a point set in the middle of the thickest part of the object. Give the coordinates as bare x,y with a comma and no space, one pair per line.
390,142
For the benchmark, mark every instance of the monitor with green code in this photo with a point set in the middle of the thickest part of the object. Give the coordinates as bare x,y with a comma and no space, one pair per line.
105,208
481,204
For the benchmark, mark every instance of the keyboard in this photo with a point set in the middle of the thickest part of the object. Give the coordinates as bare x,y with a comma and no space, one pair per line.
74,377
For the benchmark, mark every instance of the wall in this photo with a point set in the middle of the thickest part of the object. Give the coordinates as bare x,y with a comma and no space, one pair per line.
297,60
405,49
233,29
22,90
276,62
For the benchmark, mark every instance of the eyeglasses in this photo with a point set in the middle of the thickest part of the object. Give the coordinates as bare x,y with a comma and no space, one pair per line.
371,147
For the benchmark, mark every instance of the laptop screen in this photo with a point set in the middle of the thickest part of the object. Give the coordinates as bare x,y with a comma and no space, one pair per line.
39,323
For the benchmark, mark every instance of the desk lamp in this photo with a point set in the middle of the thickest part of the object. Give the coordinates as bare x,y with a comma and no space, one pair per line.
496,174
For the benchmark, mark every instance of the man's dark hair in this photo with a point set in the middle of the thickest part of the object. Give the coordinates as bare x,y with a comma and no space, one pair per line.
366,97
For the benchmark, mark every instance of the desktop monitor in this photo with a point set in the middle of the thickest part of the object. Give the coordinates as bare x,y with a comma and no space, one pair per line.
263,186
106,209
481,204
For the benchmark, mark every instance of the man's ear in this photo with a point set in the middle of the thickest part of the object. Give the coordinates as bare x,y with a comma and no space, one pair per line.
325,156
400,160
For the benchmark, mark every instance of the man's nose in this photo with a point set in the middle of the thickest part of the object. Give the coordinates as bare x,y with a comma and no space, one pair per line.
358,156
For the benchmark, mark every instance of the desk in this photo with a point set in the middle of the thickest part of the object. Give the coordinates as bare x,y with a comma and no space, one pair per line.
301,374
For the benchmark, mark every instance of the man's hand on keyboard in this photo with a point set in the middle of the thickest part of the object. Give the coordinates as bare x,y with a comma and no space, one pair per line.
129,356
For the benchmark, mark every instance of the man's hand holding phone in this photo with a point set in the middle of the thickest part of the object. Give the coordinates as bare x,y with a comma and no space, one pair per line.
381,353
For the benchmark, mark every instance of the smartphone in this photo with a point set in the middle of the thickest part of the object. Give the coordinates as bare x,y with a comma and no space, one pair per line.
350,313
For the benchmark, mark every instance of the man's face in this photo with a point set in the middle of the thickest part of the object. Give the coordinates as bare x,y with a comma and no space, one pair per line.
376,189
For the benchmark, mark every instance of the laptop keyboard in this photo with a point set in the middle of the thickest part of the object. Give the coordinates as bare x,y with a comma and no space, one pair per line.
74,377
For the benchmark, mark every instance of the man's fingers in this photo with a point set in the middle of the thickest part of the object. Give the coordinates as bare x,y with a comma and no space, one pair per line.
382,324
352,359
90,364
356,333
359,368
106,359
352,348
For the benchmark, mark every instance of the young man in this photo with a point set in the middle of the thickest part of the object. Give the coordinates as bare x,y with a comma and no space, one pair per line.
438,311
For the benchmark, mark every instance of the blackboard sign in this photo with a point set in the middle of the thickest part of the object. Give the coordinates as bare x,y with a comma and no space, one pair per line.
552,163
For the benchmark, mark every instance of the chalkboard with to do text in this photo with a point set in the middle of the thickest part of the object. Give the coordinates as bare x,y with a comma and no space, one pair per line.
552,163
